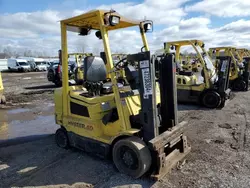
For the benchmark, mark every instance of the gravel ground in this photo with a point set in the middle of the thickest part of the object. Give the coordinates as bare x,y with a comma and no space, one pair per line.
25,88
220,155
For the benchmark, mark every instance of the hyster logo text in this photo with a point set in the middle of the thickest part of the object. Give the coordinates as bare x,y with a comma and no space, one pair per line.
80,125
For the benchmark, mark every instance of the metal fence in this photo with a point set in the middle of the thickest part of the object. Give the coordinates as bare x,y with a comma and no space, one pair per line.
3,64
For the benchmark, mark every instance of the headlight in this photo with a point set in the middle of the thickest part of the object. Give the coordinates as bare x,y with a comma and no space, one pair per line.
114,20
148,26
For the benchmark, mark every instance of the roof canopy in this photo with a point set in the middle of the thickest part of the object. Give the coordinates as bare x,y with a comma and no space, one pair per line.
91,20
223,48
185,42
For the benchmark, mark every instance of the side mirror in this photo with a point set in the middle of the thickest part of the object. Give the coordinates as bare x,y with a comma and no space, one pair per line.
172,47
98,34
203,45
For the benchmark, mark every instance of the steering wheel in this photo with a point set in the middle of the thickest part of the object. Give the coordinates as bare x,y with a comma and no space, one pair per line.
119,62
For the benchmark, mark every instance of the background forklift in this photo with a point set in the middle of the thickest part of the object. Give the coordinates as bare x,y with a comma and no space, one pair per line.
2,97
135,124
243,52
239,71
205,87
78,71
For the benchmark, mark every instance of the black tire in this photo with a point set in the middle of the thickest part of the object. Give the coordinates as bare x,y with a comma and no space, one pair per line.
58,83
61,138
2,100
50,75
239,85
211,99
132,157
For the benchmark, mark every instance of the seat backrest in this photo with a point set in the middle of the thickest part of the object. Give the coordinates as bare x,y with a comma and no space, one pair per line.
94,69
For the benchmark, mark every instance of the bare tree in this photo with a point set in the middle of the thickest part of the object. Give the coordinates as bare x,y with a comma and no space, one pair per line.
27,53
7,50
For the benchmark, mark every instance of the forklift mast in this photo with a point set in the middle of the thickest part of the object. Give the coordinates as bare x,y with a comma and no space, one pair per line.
148,113
168,90
156,118
160,128
224,65
246,72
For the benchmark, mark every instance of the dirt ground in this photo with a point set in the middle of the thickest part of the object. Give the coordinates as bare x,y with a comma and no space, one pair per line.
27,88
220,141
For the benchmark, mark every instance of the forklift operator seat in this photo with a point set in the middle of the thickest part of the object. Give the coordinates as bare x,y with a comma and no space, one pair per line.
94,69
95,77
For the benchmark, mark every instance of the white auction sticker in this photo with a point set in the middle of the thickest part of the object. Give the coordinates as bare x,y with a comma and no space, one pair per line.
144,64
223,66
146,82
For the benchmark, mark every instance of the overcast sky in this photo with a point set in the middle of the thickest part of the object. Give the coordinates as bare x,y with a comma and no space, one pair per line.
34,25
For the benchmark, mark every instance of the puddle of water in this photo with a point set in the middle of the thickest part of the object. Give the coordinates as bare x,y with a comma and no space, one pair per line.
18,110
42,125
26,124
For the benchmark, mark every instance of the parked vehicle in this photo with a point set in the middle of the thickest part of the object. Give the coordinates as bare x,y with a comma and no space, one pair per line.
20,65
55,72
47,63
38,64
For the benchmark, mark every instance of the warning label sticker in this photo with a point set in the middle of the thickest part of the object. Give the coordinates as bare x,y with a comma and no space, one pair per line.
144,64
223,66
147,84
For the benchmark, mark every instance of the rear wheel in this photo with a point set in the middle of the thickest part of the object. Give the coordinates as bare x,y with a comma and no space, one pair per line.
132,157
211,99
61,138
239,85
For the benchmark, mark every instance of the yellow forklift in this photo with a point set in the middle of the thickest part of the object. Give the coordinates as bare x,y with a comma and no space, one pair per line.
2,97
243,52
135,124
244,55
204,86
239,71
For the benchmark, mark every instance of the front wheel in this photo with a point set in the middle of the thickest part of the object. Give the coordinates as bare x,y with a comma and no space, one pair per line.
211,99
239,85
132,157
